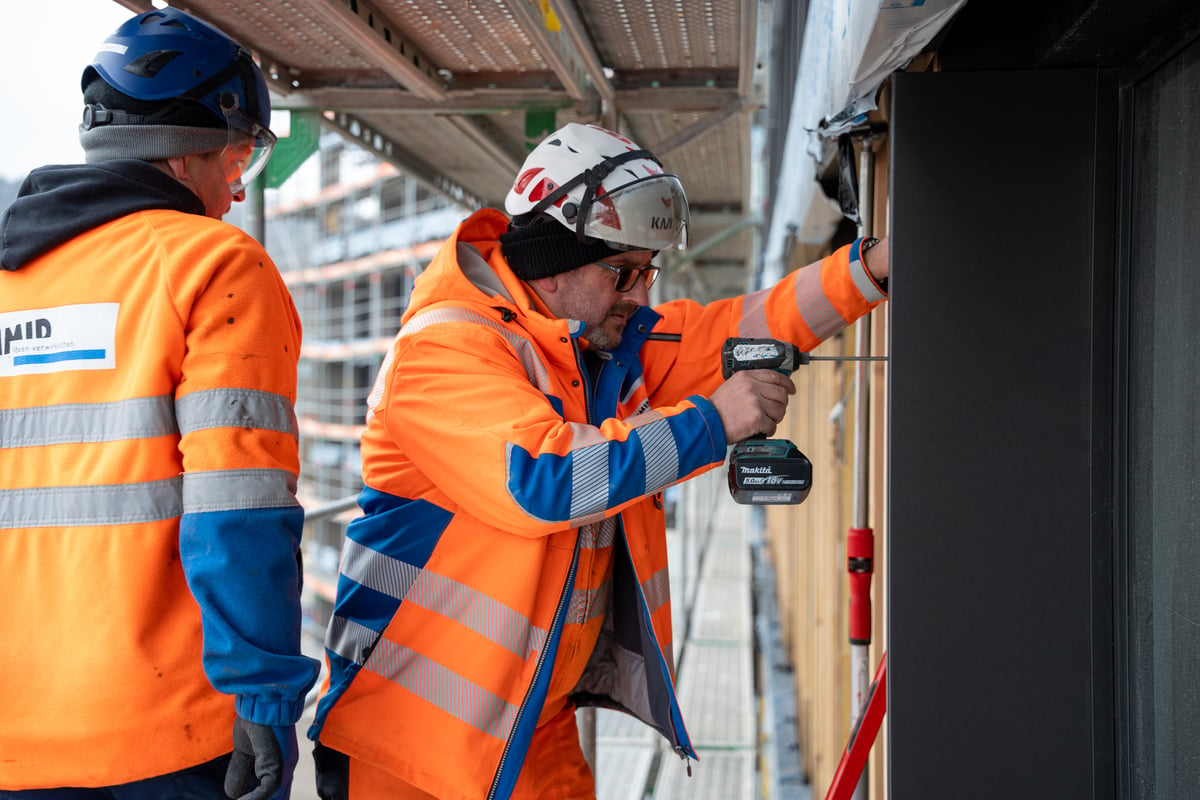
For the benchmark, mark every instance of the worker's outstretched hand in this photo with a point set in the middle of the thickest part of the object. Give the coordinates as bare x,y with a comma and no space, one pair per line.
752,402
878,260
264,759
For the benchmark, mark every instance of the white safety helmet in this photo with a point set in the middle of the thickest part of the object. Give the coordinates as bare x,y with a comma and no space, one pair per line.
602,186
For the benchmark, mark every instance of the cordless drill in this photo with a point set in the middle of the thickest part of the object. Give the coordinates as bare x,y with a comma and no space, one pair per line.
766,471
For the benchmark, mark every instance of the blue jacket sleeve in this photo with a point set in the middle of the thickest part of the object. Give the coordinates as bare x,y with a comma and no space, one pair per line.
243,569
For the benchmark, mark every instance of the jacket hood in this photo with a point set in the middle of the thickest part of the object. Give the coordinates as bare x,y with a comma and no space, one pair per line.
470,265
57,203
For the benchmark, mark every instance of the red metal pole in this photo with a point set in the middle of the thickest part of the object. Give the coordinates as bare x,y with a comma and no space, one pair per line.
860,551
845,780
860,557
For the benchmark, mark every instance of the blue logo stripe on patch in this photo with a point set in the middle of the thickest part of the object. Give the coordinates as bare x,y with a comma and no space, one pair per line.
68,355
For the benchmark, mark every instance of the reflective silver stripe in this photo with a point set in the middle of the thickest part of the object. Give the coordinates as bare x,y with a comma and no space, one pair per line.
349,639
377,571
483,614
590,467
113,504
380,379
599,535
80,423
445,689
236,408
862,279
658,448
588,604
457,601
589,471
535,370
633,388
753,323
815,309
237,489
657,589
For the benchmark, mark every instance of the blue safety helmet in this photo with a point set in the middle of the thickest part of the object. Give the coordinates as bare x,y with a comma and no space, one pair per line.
174,61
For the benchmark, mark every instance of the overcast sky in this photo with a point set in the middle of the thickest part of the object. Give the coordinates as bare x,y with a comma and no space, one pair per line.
46,45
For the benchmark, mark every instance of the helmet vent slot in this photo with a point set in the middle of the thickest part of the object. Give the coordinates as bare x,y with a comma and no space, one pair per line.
150,64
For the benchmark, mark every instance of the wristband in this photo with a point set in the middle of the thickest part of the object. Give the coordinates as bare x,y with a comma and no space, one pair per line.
866,244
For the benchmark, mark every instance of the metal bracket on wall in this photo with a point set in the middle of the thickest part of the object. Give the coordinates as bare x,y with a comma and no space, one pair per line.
848,189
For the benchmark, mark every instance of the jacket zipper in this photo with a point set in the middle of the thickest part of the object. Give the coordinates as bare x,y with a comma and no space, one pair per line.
642,621
562,602
647,631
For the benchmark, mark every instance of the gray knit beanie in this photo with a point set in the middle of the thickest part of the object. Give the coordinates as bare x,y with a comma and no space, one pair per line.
148,142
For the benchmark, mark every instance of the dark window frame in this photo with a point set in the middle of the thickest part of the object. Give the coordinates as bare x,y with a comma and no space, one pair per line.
1158,53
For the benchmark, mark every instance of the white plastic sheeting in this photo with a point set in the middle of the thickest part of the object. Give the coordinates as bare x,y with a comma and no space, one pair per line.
850,48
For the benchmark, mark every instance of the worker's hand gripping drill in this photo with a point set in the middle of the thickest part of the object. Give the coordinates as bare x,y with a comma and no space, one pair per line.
765,471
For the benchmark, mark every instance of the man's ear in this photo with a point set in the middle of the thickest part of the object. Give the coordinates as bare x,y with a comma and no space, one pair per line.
178,167
547,290
547,285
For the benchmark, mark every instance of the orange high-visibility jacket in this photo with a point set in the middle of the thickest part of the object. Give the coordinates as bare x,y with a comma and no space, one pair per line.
148,463
494,468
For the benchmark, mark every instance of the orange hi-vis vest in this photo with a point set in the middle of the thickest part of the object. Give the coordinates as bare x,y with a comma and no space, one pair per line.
148,463
502,477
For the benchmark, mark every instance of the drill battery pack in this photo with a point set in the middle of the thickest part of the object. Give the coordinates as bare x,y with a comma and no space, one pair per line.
769,472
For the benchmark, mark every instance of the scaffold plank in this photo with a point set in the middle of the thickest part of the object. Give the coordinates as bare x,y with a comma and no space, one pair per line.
723,612
716,692
623,771
718,775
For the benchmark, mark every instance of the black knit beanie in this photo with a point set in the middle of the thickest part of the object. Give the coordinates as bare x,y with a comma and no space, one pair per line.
544,247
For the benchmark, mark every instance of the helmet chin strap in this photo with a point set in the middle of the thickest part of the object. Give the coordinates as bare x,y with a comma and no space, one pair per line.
592,177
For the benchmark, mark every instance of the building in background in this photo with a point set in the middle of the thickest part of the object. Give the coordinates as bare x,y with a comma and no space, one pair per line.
349,233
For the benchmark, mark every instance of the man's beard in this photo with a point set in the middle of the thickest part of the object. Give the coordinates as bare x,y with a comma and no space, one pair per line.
605,335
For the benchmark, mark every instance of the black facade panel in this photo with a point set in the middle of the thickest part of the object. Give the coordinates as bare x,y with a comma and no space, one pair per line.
999,681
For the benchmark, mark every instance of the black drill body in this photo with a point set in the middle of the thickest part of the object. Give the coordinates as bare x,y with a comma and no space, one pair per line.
766,471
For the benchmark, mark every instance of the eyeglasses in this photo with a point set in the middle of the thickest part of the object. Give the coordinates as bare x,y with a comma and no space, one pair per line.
627,277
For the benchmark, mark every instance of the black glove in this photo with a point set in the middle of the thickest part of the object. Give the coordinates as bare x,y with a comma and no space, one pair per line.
265,755
333,773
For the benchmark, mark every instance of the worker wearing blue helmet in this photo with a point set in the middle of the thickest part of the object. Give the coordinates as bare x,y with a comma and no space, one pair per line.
165,85
149,528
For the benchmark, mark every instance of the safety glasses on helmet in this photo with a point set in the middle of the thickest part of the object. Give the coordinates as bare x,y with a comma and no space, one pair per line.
650,213
249,148
627,277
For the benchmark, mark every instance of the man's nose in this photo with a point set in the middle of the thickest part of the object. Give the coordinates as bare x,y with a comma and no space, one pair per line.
638,293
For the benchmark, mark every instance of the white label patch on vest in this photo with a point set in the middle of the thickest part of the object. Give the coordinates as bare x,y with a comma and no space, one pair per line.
59,339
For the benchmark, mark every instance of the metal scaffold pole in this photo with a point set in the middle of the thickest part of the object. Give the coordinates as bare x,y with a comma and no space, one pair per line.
860,540
868,700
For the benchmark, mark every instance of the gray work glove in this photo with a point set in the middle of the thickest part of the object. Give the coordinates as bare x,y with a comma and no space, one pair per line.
264,758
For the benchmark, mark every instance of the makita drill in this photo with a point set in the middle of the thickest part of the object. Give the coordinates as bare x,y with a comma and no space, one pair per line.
766,471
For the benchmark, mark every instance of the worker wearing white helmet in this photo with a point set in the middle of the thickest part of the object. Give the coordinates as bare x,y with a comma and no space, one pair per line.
624,199
511,562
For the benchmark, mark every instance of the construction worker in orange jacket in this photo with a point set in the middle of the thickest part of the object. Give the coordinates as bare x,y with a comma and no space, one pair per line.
511,563
149,529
